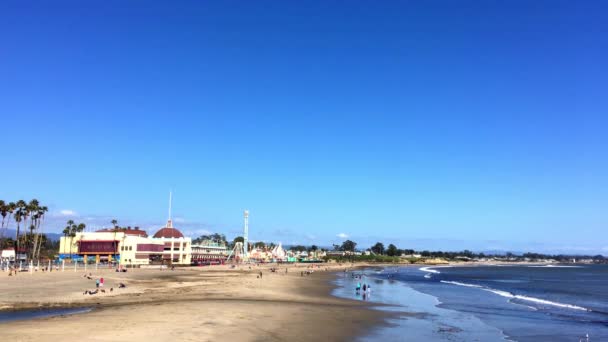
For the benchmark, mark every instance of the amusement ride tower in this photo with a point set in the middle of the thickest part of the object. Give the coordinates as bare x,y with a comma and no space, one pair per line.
245,233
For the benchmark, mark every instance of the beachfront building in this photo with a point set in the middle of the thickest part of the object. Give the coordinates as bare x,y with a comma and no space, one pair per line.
123,245
128,246
209,251
177,249
8,256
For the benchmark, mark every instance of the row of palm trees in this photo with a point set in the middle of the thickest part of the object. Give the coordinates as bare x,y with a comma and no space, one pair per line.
29,214
70,231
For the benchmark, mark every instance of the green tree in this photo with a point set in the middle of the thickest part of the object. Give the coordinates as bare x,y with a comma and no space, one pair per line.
378,248
392,250
259,244
237,239
299,248
348,246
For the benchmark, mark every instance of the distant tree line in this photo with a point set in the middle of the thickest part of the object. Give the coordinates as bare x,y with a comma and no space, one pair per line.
217,238
378,249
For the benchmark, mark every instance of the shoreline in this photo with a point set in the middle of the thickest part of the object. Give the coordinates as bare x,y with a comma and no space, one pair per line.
425,318
197,302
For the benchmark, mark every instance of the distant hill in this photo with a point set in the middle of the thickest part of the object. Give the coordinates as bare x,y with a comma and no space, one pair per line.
51,236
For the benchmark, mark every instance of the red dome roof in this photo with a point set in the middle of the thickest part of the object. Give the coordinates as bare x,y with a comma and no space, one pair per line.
168,233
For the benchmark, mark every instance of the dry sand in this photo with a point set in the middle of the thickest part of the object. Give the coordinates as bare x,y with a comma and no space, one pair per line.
187,304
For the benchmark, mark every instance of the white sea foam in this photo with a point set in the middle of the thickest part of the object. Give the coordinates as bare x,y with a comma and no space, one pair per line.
461,284
556,266
519,297
428,269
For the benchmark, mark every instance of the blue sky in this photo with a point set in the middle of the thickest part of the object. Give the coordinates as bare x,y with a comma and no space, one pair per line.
432,124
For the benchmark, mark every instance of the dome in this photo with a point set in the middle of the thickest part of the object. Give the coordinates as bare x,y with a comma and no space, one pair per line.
168,233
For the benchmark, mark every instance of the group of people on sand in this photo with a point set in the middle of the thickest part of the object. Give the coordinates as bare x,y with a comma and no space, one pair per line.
99,283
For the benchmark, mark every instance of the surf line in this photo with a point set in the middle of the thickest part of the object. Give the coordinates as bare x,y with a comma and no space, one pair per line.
520,297
429,270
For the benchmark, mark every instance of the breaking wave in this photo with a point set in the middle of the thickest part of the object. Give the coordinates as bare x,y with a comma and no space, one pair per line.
519,297
429,270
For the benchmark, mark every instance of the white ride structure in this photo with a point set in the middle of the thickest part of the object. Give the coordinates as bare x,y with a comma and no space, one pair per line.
246,232
240,252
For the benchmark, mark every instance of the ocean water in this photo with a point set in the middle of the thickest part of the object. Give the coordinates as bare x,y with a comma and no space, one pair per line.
488,303
9,316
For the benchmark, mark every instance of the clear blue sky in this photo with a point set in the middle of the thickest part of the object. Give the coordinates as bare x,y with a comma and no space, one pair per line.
433,124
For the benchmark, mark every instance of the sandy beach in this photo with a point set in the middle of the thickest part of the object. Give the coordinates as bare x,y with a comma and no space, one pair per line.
187,304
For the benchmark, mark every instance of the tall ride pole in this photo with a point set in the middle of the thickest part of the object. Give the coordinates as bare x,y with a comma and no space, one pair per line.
246,234
170,221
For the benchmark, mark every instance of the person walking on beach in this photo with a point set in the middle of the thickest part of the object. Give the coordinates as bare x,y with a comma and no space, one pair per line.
97,283
101,282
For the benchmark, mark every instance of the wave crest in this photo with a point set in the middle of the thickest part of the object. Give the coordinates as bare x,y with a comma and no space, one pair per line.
429,270
519,297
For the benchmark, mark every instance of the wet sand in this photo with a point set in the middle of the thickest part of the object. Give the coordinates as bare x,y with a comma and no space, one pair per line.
188,304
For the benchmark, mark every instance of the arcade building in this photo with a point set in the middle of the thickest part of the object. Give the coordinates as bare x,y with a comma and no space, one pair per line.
128,246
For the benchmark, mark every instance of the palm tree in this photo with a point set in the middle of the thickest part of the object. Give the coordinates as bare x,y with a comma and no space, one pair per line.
72,229
66,232
78,229
21,214
44,209
115,224
8,211
3,212
32,211
69,231
39,220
